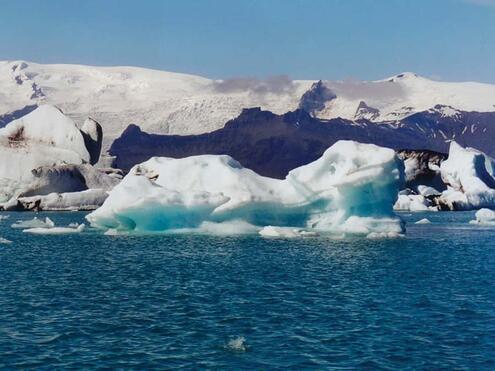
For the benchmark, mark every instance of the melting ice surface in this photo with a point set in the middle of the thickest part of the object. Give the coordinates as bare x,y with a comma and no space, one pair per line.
350,189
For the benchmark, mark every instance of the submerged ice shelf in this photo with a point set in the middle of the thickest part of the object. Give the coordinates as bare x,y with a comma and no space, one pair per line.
350,189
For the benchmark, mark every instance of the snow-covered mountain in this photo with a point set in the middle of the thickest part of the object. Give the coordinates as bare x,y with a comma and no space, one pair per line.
157,101
171,103
403,95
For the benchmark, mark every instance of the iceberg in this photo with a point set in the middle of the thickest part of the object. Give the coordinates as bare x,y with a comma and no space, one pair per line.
56,230
484,217
413,202
89,199
423,221
470,179
44,154
34,223
465,180
350,189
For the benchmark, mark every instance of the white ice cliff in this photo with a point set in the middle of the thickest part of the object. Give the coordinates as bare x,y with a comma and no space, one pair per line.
350,189
469,176
44,152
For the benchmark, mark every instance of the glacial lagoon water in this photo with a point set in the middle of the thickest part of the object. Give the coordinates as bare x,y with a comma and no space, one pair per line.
426,301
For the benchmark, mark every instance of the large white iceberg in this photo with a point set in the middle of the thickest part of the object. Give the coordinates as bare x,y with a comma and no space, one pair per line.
485,217
44,153
350,189
470,179
44,137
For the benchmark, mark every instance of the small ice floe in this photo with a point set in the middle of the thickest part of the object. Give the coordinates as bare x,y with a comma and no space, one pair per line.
382,235
4,241
285,232
115,232
56,230
423,221
227,228
111,232
34,223
3,217
412,202
237,344
484,217
304,233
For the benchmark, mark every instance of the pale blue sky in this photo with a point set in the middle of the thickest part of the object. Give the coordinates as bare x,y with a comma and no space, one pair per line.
329,39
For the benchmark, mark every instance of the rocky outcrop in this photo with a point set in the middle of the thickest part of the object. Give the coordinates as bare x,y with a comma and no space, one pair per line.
365,112
315,99
273,144
267,143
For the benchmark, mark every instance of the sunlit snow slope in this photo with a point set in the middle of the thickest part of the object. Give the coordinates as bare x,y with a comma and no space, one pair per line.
172,103
157,101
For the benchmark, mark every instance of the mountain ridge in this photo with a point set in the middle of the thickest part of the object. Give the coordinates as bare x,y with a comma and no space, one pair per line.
164,102
272,144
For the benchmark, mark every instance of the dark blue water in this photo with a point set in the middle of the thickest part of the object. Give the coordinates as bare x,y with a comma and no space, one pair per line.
91,301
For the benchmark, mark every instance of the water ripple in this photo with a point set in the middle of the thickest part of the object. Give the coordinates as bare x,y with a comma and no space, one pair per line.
197,302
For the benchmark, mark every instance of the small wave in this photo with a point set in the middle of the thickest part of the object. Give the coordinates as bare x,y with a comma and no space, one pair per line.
31,338
237,344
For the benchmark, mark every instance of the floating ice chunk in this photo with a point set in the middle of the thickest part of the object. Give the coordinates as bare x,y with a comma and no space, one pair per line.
4,241
226,228
115,232
44,137
285,232
469,175
305,233
3,217
412,202
351,183
366,225
47,125
233,227
56,230
34,223
423,221
88,199
237,344
45,152
485,217
383,235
